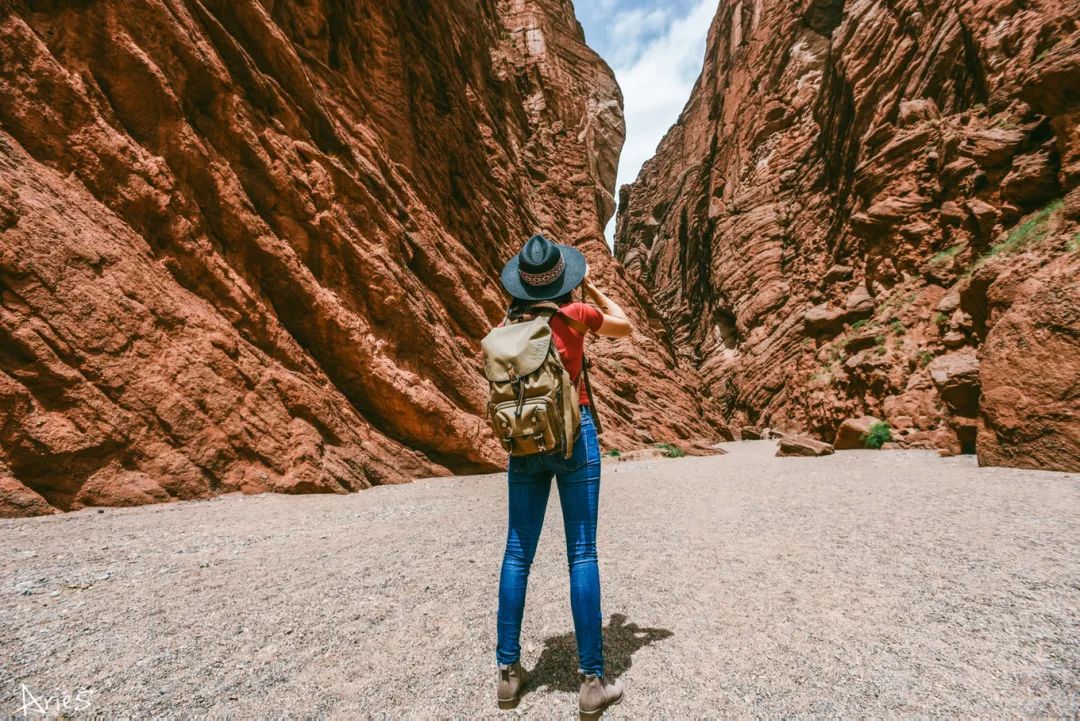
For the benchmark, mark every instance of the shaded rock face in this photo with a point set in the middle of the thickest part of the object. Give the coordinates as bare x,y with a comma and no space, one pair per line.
845,185
250,246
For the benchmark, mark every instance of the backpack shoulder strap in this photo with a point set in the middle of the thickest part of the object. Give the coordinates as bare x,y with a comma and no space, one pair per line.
529,312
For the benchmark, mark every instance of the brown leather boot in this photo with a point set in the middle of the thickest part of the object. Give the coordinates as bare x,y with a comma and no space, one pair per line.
512,680
597,694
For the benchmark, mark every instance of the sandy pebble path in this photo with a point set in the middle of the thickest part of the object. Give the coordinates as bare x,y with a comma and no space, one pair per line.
864,583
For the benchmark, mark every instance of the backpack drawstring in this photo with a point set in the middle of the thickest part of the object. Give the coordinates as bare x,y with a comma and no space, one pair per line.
521,397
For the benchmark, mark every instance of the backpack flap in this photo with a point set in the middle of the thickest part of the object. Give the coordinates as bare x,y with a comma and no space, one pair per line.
515,350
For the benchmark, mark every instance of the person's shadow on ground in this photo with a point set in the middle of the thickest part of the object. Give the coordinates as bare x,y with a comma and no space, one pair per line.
557,666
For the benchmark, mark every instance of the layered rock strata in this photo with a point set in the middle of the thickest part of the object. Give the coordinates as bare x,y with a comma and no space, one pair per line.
836,224
250,246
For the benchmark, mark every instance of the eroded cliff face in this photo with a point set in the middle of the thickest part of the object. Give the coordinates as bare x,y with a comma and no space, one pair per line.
252,245
853,198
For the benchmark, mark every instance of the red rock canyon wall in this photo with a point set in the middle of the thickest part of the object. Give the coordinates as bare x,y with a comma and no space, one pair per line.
871,206
252,245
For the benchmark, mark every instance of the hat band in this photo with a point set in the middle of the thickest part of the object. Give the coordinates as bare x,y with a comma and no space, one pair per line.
543,278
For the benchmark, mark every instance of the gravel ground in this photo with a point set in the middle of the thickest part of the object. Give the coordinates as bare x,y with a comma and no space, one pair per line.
864,583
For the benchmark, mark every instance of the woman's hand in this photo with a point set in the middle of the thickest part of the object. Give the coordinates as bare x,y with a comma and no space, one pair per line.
589,286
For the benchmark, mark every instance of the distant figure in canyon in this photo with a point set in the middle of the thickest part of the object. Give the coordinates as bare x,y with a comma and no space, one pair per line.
540,280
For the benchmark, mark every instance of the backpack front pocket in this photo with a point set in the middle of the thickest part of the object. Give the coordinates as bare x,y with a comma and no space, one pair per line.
529,427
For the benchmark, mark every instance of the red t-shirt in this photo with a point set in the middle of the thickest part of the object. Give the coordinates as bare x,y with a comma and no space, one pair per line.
571,344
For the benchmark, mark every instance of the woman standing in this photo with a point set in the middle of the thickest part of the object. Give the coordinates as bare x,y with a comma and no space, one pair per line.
544,271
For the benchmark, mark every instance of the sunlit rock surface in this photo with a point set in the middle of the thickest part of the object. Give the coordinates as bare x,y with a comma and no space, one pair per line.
847,204
250,246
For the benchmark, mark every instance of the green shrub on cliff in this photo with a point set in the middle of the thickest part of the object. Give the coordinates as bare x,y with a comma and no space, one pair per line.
1032,230
879,434
946,255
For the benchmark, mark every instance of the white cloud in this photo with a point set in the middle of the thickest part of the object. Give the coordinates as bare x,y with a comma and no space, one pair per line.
657,57
631,30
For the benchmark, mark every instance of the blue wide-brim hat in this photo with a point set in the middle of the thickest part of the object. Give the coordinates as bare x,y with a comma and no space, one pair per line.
543,270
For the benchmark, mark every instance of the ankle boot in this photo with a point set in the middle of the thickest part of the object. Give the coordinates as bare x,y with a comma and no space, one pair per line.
512,680
597,694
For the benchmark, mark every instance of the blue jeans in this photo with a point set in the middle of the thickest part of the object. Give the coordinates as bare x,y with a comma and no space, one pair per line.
578,478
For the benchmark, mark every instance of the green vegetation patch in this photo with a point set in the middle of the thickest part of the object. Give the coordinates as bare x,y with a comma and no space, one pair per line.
946,255
669,450
879,434
614,453
1031,230
925,357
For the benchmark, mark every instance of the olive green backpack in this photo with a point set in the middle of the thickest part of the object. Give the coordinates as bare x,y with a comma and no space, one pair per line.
533,405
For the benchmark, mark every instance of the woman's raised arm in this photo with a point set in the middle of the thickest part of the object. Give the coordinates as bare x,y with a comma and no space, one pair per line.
615,324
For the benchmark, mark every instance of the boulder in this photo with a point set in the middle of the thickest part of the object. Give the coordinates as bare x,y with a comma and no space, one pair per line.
838,272
750,433
861,340
803,446
993,147
823,319
956,377
953,339
918,110
859,304
113,486
850,434
1032,181
985,215
17,500
949,303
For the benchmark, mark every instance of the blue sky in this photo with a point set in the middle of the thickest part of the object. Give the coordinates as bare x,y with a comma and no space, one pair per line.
656,48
